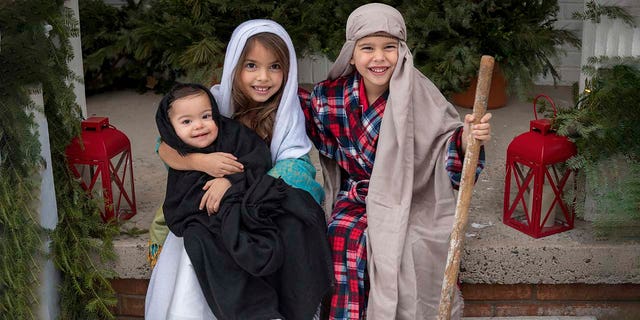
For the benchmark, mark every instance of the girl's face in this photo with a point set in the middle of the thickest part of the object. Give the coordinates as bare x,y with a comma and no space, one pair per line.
261,76
375,58
191,118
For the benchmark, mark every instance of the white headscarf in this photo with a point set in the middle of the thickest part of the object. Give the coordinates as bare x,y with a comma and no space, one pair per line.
289,134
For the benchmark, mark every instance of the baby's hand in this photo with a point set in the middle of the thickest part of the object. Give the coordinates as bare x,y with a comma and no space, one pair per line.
220,164
480,131
215,190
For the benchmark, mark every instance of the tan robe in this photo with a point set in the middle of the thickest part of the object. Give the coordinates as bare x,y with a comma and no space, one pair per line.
411,203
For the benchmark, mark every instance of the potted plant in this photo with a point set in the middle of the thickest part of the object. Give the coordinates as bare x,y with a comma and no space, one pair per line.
449,37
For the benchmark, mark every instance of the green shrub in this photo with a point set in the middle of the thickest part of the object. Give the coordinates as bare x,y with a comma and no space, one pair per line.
106,62
185,39
166,40
604,126
449,37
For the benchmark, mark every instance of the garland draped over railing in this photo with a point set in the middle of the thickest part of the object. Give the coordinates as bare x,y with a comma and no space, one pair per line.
34,51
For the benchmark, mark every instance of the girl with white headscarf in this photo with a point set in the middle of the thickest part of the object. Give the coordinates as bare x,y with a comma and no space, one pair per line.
390,222
173,291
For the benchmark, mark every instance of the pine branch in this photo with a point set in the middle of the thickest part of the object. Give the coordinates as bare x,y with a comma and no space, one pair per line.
594,12
31,56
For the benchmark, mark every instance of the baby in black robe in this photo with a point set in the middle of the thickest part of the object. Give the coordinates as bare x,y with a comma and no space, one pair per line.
264,255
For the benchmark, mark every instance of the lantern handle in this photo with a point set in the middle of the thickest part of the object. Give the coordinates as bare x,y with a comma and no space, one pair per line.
553,105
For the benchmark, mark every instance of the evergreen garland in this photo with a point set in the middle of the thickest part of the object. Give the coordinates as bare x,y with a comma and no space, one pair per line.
34,50
20,232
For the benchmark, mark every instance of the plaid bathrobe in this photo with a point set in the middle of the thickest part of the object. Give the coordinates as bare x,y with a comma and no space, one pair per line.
345,127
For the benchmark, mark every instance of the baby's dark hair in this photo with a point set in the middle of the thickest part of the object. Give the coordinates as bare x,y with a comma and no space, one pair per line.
182,90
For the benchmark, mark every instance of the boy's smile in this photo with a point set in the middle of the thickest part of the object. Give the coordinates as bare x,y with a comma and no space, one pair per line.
375,58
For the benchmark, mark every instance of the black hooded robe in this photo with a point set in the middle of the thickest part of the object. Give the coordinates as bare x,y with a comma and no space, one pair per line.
264,255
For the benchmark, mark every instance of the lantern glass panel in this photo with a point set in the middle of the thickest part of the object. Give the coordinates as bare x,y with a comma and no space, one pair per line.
538,201
91,181
122,184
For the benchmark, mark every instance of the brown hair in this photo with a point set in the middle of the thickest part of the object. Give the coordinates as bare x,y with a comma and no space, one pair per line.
260,117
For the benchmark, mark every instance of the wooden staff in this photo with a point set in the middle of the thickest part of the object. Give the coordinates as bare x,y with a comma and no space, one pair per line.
466,190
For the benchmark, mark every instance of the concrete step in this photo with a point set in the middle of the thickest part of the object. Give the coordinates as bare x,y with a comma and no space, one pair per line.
534,318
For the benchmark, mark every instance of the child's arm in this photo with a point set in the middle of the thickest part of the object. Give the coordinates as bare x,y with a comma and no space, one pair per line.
458,145
315,109
299,173
217,164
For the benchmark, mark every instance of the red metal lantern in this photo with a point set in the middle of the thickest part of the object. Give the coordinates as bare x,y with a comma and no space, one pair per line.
535,165
102,162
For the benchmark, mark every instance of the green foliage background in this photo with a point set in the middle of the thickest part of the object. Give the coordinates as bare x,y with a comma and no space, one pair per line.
449,37
186,39
173,39
34,51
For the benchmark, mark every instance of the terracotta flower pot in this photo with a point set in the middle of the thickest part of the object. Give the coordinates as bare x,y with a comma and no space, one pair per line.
497,92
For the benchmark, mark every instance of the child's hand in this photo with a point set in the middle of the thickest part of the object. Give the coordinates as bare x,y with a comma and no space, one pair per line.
219,164
480,131
215,190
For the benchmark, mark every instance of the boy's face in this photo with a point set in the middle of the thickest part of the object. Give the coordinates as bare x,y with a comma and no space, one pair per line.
192,119
375,58
261,75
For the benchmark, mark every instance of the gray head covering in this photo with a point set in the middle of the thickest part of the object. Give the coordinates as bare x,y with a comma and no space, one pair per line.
410,204
386,18
289,138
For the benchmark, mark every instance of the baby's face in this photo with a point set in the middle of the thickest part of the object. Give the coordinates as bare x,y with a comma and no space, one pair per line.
191,118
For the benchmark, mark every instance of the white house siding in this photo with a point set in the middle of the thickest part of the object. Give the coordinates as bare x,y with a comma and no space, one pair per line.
611,37
313,68
116,3
568,66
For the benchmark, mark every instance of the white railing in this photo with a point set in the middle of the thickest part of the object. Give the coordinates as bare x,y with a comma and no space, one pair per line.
611,37
313,69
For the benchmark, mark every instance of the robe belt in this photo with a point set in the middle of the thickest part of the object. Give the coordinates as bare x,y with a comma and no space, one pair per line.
357,190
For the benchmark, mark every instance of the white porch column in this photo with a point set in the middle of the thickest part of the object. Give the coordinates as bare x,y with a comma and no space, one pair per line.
48,296
76,63
49,277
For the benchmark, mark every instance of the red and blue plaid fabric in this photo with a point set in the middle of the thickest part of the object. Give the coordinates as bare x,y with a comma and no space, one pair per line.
455,159
346,130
